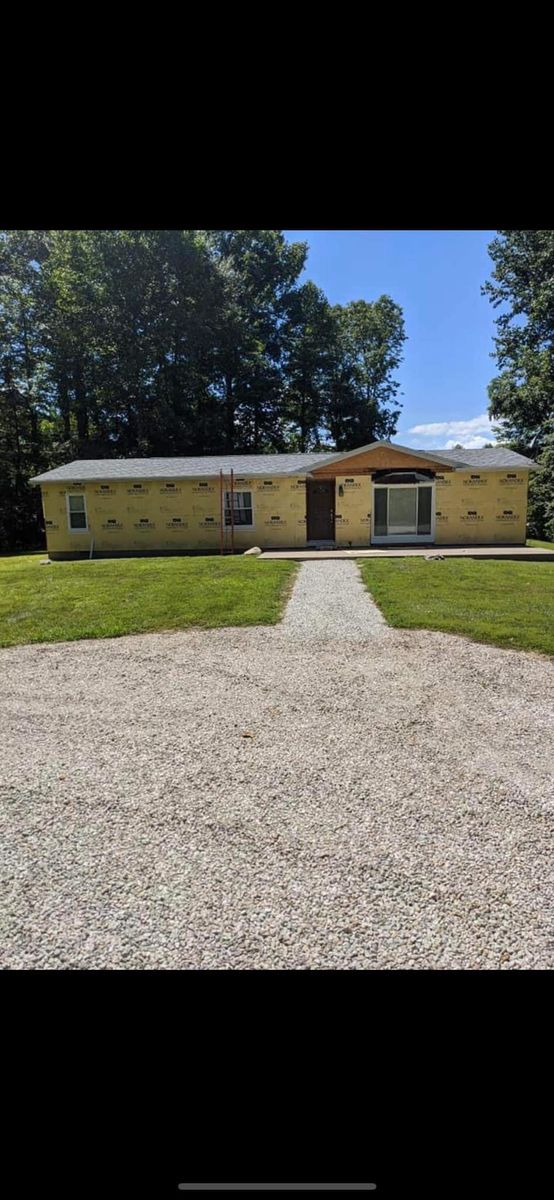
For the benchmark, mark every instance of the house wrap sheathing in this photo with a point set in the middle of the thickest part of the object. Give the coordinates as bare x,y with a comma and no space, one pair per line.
381,494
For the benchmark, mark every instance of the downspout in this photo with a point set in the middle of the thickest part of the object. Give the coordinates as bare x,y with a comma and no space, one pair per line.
91,547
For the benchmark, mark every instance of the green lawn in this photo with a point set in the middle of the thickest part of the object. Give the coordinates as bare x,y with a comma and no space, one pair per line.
544,545
110,597
508,603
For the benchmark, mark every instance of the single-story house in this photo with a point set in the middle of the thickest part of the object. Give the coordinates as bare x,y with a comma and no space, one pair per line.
380,494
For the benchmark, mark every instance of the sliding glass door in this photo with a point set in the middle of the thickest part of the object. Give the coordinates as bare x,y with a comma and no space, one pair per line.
403,513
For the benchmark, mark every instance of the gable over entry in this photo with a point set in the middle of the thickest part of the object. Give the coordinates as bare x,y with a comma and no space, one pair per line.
400,490
381,456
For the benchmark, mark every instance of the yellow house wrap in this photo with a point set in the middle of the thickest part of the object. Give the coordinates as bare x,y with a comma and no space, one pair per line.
380,494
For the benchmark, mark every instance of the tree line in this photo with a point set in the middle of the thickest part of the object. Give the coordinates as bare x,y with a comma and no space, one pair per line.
177,342
522,394
168,342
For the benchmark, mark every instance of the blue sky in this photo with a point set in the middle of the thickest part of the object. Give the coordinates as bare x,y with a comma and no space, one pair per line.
436,277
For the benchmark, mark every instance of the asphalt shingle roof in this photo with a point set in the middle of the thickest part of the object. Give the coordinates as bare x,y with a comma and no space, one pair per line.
91,469
182,468
495,458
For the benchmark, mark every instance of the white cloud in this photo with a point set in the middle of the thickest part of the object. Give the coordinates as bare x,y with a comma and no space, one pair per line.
472,434
472,443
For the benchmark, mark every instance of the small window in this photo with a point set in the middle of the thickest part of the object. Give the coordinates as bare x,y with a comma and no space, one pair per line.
77,512
242,508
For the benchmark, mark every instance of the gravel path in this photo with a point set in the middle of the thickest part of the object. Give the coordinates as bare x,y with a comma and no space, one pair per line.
246,798
329,600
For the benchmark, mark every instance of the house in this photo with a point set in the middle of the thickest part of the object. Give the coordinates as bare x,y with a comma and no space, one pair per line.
381,494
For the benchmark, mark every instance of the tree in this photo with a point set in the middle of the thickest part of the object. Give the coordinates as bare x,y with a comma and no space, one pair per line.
540,521
370,341
70,294
308,338
522,284
24,400
258,272
156,355
165,342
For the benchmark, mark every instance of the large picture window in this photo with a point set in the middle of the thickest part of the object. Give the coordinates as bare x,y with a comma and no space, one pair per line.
403,512
242,508
77,512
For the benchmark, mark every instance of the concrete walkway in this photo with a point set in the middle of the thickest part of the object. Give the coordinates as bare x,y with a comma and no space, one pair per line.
506,552
329,602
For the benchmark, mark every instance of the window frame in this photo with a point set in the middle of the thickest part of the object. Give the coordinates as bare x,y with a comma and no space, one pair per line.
403,538
84,528
227,508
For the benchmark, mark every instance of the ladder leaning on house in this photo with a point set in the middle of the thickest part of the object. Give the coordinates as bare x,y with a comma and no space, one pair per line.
227,542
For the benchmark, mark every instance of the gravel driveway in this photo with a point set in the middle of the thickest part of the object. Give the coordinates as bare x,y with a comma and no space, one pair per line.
251,798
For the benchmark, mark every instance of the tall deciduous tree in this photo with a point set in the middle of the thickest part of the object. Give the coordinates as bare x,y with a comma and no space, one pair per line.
371,336
137,342
308,339
24,399
522,287
258,272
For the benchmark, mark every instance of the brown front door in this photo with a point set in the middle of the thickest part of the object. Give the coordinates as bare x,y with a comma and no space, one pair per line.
320,504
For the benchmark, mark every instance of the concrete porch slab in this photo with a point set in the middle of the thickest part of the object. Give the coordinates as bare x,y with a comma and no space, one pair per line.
506,552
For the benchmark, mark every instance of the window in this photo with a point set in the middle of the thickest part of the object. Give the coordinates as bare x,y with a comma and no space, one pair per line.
424,510
403,512
242,508
76,512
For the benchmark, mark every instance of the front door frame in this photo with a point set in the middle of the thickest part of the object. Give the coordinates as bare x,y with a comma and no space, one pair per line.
398,539
331,486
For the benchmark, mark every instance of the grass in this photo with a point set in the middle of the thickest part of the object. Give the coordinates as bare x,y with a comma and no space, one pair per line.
543,545
112,597
505,603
